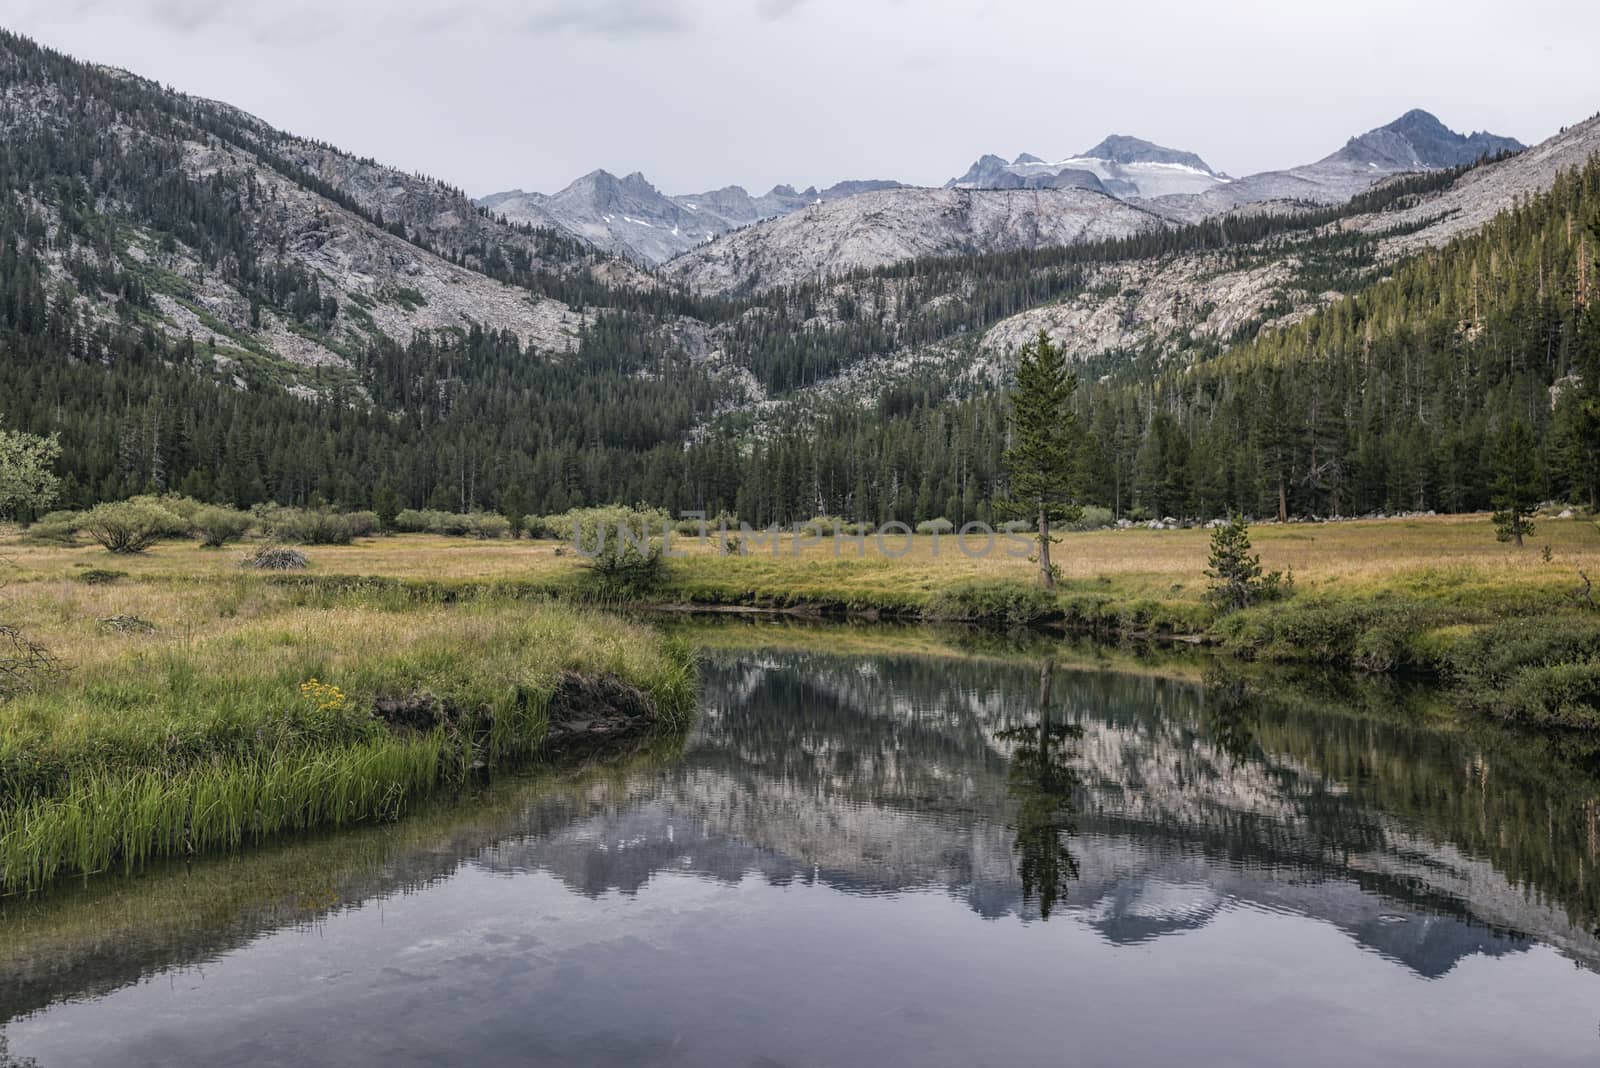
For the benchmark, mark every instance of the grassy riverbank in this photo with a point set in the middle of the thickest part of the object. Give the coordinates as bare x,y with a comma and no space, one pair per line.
1506,627
212,710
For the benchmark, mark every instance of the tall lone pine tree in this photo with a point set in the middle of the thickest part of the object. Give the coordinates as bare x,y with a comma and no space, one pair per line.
1041,457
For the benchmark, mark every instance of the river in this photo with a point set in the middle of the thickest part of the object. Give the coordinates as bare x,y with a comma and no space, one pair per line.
889,858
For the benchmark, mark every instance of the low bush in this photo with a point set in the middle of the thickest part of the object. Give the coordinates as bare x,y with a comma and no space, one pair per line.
935,526
415,521
1093,517
100,576
364,524
54,528
217,525
487,526
623,546
1556,695
131,526
315,526
539,527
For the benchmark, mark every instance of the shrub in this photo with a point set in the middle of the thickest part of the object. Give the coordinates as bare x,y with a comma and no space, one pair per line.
315,526
100,576
364,524
486,526
583,520
1013,603
130,526
54,528
1016,526
1093,517
451,524
185,508
217,526
935,526
1562,695
623,546
412,521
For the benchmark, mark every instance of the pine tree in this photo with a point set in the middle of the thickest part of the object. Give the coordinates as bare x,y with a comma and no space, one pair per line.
1041,459
515,508
387,506
1516,484
1235,574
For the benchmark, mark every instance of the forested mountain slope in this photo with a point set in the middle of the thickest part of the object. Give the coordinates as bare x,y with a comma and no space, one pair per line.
196,301
1400,397
277,258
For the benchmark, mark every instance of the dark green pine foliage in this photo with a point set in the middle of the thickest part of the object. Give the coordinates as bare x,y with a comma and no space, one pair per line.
1041,457
386,505
1235,572
1516,484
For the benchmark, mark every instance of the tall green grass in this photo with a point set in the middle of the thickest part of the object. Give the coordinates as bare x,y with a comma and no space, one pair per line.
112,820
162,748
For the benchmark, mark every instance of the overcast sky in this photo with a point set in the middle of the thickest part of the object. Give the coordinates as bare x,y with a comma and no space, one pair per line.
499,94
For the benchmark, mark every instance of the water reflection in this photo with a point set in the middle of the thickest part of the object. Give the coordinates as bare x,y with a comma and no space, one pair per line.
1131,808
1042,782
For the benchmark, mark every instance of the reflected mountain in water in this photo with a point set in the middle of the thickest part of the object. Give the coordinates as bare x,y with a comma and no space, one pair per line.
891,775
1162,805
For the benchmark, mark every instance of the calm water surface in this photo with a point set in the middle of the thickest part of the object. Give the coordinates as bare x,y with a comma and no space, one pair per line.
870,860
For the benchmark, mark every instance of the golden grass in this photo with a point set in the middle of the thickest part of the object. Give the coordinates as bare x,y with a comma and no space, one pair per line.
1449,556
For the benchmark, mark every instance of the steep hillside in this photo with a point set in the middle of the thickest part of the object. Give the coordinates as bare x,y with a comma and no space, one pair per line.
280,259
880,228
1165,306
1485,191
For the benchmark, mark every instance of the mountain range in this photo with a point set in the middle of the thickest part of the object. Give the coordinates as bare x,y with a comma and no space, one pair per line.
632,218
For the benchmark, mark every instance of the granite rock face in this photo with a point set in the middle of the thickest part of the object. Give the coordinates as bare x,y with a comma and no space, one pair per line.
880,228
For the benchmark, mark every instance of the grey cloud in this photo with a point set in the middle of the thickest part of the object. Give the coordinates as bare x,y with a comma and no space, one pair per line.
777,9
187,15
609,18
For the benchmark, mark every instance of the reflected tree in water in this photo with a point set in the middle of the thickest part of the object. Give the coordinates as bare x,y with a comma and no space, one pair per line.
1042,783
1231,713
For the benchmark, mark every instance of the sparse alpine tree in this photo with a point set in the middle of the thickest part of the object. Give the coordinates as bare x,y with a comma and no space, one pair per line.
1516,484
1041,458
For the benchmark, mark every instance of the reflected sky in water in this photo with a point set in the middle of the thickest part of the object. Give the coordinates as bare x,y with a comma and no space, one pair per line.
850,863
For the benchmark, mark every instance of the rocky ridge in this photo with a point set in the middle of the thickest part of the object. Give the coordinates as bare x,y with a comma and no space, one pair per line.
888,226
